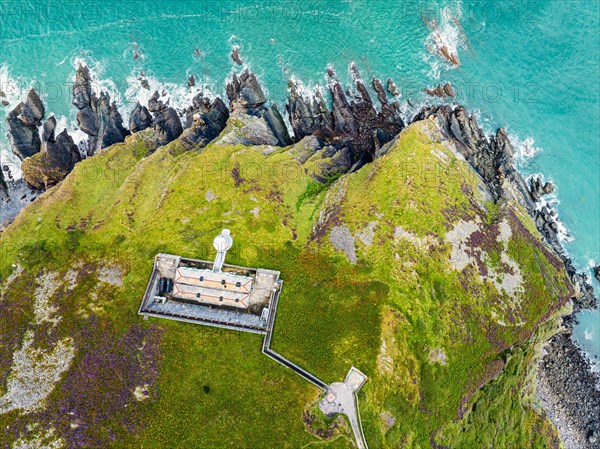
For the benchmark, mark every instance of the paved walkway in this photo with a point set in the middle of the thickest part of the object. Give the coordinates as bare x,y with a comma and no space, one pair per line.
340,398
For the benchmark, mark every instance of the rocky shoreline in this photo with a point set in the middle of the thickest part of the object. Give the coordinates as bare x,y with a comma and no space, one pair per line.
353,132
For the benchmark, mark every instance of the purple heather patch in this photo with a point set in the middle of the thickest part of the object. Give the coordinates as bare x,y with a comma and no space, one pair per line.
95,401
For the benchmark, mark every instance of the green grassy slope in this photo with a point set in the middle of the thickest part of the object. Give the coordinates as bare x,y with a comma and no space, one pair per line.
429,320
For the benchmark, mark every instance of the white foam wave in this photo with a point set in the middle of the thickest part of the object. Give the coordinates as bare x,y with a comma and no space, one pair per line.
588,334
446,33
15,90
525,149
176,95
550,203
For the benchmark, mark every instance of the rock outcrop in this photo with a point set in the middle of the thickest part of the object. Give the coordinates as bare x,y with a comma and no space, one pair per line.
205,121
3,186
165,119
492,158
392,88
309,115
445,91
97,116
566,381
252,123
245,93
539,188
167,124
275,121
23,122
140,118
353,122
596,270
54,162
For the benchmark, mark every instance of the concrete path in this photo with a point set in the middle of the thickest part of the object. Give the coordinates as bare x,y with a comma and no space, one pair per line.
339,398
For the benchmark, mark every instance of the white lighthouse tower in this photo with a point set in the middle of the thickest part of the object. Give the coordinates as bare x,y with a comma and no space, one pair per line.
222,244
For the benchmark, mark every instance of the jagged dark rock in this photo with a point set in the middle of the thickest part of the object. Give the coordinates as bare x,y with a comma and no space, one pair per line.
140,118
258,125
379,89
449,90
276,123
97,116
245,93
538,188
32,111
24,139
167,125
23,122
492,159
144,83
205,121
309,115
191,81
596,270
155,104
3,186
54,162
353,122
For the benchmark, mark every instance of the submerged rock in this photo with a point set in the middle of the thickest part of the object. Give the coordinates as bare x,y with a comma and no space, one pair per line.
97,116
235,55
441,91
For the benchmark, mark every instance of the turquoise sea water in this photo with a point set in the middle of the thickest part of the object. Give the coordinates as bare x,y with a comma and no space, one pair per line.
530,66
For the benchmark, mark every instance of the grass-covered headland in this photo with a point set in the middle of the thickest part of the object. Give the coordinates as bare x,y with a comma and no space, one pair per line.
405,268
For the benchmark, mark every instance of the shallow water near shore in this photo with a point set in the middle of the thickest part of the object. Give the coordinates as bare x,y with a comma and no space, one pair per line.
529,66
